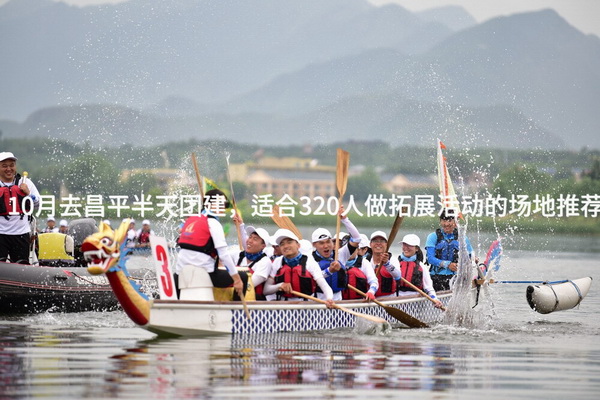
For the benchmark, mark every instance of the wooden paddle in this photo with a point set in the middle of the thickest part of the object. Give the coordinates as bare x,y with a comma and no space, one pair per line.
200,188
234,205
371,318
400,315
341,181
422,293
198,178
284,222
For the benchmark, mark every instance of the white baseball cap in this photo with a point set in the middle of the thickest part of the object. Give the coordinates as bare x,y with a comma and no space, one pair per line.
146,222
320,234
284,233
50,219
262,233
364,241
379,234
7,155
63,222
130,220
411,239
306,247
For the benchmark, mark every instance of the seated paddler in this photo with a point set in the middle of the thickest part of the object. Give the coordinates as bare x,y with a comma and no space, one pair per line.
294,271
203,245
334,268
255,257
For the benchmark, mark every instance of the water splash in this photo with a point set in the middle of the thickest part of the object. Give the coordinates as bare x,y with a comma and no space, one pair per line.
460,310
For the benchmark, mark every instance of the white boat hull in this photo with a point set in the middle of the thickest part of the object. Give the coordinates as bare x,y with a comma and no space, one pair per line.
547,298
197,318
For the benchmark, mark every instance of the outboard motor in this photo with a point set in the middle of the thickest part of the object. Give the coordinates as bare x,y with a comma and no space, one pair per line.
79,229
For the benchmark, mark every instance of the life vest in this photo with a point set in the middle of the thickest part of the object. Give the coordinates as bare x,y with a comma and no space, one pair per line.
11,201
446,249
258,290
195,235
412,272
144,237
337,280
298,276
356,278
387,283
55,246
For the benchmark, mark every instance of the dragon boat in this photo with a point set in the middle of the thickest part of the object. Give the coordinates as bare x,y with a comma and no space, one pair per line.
59,281
187,317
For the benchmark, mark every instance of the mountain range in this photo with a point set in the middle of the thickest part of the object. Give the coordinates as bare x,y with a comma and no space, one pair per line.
278,71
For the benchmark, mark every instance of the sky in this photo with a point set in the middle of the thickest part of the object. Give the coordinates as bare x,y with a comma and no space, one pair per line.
583,14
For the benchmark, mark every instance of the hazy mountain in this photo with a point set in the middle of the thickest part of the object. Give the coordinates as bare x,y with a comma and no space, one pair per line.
142,51
396,120
311,70
535,62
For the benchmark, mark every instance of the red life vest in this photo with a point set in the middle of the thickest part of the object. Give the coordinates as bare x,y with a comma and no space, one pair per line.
358,279
412,272
195,235
300,279
258,290
387,283
11,201
144,237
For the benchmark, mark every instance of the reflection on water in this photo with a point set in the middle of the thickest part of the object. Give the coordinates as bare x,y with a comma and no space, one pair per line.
110,363
520,354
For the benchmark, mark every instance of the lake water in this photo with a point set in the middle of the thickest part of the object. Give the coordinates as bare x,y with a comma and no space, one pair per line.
518,354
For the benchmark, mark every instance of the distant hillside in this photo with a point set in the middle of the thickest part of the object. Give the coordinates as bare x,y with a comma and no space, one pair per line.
150,71
396,120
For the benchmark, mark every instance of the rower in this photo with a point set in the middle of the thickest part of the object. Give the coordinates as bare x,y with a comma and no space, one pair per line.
387,269
334,271
295,271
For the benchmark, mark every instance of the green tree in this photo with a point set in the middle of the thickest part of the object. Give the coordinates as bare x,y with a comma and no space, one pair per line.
522,180
91,174
361,186
139,182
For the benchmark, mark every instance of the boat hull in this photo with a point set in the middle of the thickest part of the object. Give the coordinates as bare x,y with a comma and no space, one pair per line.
201,318
34,289
547,298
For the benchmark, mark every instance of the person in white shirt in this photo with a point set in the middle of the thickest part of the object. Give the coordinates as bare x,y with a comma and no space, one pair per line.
50,226
413,270
255,257
19,197
294,271
203,245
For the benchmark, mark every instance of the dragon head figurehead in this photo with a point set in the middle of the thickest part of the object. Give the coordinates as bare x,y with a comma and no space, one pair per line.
101,250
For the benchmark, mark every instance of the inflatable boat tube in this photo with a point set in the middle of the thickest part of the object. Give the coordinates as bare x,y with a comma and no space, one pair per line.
547,298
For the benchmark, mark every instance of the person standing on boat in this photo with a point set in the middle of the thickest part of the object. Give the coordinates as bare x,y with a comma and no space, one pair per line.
413,270
203,245
18,197
131,233
142,236
63,227
360,273
334,271
387,269
295,271
442,251
50,226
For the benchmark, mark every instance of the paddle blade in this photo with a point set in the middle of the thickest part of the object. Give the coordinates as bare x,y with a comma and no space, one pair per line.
405,318
394,230
341,176
284,222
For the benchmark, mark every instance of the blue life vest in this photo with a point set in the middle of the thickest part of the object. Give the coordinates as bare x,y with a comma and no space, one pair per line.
447,249
338,280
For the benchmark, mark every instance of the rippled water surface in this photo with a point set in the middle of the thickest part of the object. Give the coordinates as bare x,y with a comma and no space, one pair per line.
516,353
